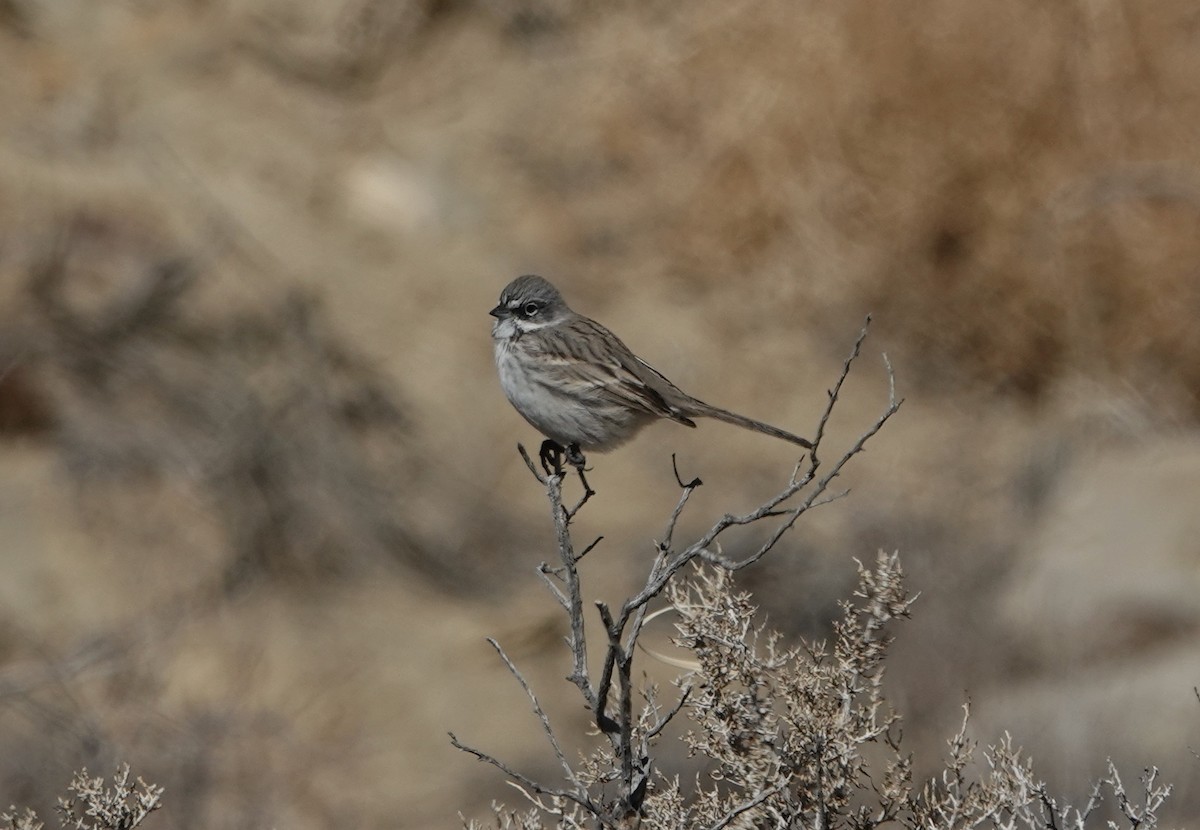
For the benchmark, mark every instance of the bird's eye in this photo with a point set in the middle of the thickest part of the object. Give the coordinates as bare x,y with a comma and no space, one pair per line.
531,309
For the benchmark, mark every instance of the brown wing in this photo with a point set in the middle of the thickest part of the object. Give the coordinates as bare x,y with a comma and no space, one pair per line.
594,363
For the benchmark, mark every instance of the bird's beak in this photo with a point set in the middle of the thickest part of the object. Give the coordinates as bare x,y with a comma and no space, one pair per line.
498,312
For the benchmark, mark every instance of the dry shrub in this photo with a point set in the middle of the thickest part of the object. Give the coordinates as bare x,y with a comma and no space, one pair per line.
806,737
92,805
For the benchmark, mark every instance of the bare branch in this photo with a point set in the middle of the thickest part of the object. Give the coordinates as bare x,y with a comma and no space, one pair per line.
523,780
589,548
837,387
691,485
669,533
747,806
574,594
549,809
529,463
541,714
545,572
657,729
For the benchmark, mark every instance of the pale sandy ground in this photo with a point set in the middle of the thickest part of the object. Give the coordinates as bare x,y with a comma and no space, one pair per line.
1011,189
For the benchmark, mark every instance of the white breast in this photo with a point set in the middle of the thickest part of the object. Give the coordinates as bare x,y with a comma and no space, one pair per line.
552,410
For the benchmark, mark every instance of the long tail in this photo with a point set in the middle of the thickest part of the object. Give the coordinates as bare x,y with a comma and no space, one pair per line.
705,410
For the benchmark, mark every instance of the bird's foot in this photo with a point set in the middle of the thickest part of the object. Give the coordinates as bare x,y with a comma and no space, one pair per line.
551,456
576,459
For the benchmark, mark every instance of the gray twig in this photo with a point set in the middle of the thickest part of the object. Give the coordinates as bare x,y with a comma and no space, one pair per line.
540,712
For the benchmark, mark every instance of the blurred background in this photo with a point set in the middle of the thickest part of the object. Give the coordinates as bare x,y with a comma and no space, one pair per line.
261,501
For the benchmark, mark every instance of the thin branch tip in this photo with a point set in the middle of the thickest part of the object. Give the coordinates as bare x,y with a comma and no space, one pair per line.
529,463
691,485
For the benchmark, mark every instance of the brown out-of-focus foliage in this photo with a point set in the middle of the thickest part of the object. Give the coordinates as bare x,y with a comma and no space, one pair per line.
291,440
260,502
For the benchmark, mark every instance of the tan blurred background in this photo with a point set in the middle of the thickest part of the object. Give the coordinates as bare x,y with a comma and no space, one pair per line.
261,501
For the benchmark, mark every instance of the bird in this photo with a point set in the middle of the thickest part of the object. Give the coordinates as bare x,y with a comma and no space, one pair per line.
579,385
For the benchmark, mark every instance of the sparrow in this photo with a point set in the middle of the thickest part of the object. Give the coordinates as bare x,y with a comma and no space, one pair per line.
577,384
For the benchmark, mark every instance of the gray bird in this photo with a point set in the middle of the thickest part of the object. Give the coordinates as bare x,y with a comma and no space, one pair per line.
577,384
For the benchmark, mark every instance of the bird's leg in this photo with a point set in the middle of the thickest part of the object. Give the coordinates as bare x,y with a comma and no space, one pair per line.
575,459
551,455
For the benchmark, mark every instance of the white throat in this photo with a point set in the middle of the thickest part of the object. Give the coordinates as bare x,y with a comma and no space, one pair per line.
509,328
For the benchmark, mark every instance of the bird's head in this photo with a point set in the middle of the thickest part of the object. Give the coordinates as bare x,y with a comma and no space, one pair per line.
528,303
